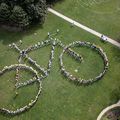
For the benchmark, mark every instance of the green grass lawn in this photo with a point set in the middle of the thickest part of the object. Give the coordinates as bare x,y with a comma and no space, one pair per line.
60,99
101,15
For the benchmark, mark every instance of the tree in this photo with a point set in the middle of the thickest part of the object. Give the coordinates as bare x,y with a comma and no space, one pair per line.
22,13
19,17
36,12
4,12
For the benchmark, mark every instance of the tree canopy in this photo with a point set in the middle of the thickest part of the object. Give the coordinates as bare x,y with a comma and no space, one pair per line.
22,13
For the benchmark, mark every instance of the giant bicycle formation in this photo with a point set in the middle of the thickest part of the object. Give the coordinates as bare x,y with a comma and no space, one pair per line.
53,42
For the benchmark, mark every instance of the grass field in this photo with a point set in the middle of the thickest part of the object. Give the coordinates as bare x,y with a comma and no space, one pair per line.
60,99
100,15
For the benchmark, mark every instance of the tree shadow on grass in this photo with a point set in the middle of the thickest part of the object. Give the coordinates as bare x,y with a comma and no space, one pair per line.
8,37
54,2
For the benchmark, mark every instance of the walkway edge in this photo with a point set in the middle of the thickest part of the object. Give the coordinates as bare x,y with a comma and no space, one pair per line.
108,109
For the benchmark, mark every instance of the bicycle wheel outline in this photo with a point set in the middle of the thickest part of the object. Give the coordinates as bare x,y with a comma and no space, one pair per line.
30,104
83,81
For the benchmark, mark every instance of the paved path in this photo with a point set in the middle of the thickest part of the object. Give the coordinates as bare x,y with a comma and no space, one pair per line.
108,109
83,27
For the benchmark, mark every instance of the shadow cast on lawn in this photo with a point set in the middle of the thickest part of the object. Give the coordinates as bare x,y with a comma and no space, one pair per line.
8,37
